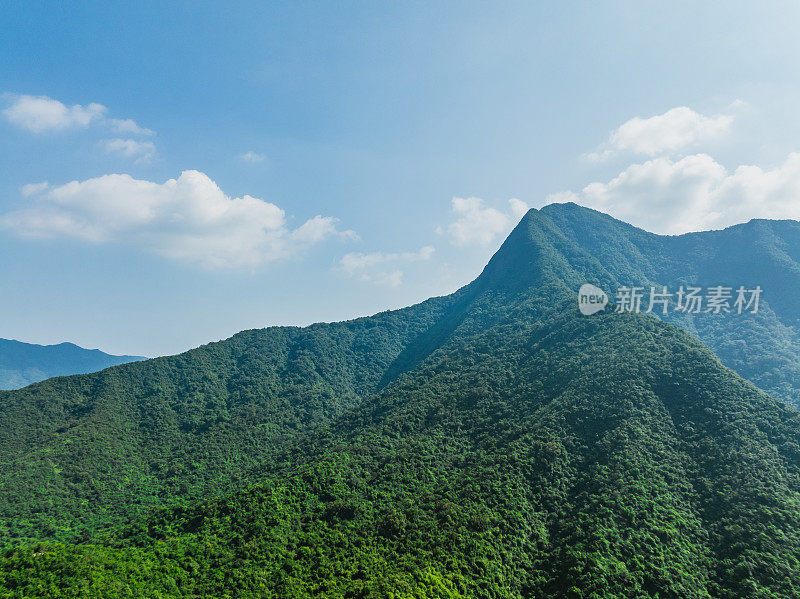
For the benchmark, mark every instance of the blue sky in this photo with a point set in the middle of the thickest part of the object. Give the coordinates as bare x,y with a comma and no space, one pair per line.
172,175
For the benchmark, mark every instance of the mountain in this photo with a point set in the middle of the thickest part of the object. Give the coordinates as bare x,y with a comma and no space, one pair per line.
491,443
24,363
762,347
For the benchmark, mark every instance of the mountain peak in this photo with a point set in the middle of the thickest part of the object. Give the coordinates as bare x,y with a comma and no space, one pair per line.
547,247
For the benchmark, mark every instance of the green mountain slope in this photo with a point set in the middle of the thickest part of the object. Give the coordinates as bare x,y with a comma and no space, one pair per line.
79,452
24,363
494,443
765,347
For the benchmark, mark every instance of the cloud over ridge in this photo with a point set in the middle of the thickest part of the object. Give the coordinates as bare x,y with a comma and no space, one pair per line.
477,224
693,193
380,267
676,130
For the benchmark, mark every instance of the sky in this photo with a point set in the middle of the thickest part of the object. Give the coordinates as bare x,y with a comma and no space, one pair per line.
171,175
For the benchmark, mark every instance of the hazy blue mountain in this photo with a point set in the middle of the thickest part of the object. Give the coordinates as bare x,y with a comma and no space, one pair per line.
24,363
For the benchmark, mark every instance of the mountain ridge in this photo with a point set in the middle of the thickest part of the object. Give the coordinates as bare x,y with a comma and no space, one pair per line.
22,363
765,347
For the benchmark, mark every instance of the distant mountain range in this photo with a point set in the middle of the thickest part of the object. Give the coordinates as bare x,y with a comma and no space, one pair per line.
492,443
24,363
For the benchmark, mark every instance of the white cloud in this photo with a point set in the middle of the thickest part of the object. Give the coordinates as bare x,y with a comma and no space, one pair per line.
187,219
319,228
478,224
143,151
129,127
694,193
33,188
252,157
676,130
40,113
379,268
518,208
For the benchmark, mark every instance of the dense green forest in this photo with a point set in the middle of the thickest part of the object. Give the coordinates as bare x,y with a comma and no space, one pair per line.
492,443
764,347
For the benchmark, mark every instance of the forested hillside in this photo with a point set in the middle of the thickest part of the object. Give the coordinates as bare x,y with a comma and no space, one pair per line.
493,443
762,347
80,452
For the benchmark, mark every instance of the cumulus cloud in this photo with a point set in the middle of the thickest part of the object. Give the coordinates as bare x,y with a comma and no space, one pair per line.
40,113
252,157
129,127
188,219
33,188
142,151
676,130
694,193
479,224
320,228
379,267
518,208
